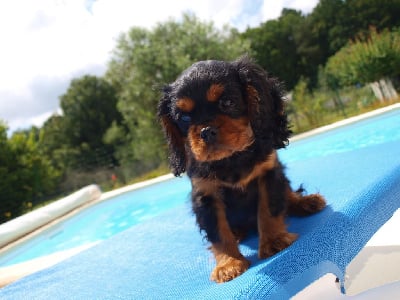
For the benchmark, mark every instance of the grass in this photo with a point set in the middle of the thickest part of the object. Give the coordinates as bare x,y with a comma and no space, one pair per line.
161,170
356,102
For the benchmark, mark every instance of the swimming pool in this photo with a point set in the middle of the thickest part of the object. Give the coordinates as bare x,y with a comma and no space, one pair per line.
105,219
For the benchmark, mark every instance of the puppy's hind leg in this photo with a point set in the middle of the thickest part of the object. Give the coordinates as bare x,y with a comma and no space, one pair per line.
304,205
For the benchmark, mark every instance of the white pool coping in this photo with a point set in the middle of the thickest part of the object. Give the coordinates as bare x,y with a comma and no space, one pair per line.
135,186
27,223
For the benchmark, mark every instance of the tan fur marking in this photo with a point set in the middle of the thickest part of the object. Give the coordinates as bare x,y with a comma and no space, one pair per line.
230,262
228,267
185,104
233,135
253,100
259,169
214,92
209,184
228,241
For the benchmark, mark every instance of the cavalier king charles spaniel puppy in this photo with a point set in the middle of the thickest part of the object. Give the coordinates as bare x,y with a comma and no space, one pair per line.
224,122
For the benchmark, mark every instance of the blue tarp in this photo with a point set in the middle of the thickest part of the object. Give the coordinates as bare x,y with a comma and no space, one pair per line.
166,257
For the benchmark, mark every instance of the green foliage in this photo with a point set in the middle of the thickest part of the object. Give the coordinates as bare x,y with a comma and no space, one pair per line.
89,109
335,22
9,178
27,176
306,104
361,15
276,45
367,59
144,61
355,100
328,23
294,45
329,85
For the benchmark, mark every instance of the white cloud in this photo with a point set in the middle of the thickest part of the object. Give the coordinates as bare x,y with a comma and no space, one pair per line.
46,43
36,120
272,9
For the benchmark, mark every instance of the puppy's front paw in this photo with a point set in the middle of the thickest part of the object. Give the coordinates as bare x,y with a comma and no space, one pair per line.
229,269
270,247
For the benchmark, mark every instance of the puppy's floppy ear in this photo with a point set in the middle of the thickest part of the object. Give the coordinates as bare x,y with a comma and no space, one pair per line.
176,145
265,103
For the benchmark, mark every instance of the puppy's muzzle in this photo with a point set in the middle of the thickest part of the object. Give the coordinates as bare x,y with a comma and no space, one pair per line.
209,134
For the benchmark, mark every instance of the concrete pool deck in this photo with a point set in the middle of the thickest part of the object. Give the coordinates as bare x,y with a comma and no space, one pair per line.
358,118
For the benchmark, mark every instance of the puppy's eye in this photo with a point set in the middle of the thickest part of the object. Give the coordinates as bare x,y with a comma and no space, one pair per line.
227,103
185,118
184,123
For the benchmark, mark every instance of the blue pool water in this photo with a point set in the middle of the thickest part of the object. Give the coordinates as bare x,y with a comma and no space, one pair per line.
368,132
110,217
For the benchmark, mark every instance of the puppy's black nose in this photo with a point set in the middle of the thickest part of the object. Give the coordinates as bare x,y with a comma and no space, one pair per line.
208,134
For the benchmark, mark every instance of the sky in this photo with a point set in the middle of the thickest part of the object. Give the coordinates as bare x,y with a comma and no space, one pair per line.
46,43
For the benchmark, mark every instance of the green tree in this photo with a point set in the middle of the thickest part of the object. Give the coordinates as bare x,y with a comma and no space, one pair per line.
27,176
52,143
294,45
143,62
328,23
364,14
89,108
276,46
9,194
335,22
35,172
367,59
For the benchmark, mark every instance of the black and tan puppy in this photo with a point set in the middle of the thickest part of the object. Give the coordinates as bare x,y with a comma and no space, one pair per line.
223,122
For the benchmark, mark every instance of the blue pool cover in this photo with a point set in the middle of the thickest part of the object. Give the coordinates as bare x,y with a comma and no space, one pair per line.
166,257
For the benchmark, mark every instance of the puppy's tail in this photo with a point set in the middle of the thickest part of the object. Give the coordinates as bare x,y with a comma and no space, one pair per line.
304,205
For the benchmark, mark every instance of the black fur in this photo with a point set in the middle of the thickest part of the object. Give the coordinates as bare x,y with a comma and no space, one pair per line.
206,218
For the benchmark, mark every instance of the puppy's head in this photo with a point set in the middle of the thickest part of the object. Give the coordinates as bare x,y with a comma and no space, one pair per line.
215,109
